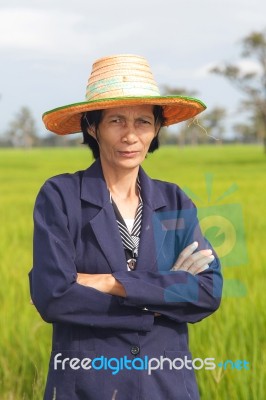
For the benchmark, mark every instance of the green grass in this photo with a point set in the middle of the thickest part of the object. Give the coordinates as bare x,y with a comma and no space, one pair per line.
235,331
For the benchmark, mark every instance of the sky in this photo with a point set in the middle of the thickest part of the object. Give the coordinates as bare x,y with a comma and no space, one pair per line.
47,47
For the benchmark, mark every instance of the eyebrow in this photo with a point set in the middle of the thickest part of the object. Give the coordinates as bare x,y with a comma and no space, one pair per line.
124,116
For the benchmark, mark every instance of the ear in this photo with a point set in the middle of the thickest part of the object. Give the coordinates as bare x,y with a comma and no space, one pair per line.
157,129
92,131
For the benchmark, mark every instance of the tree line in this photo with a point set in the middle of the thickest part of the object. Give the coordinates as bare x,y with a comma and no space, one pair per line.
208,128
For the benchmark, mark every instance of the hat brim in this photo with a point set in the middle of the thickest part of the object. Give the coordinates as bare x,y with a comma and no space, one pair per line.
66,120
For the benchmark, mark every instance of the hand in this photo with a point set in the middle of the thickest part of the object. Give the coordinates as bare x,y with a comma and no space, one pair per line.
105,283
191,262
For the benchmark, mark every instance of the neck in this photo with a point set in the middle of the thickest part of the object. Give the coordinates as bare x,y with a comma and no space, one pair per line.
121,183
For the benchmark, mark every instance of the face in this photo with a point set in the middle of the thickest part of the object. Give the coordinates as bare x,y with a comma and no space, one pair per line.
124,136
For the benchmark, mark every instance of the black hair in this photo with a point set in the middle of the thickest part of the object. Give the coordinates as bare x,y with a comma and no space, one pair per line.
93,119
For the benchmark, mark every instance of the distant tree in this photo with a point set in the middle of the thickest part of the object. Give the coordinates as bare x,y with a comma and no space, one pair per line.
251,83
22,129
244,132
181,91
187,133
52,140
213,122
206,129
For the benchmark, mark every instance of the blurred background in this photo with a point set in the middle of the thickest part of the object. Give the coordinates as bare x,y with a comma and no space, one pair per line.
207,49
215,51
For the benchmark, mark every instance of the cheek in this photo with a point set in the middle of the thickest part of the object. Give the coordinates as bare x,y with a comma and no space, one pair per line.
106,141
149,140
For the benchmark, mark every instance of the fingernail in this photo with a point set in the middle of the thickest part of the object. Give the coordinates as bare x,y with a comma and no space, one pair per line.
194,245
211,257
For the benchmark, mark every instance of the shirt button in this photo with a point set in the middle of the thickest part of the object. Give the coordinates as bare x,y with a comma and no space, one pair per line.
135,350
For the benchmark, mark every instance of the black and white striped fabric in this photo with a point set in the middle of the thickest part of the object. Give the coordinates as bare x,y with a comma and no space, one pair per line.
130,240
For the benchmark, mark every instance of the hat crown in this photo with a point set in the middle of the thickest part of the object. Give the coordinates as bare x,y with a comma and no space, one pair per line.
123,80
124,75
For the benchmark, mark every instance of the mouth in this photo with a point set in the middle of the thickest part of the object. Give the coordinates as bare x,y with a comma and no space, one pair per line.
128,154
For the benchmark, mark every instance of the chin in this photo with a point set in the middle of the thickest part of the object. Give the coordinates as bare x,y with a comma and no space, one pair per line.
130,164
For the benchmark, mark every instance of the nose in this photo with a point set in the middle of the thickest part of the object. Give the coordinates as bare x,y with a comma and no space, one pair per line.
129,135
130,138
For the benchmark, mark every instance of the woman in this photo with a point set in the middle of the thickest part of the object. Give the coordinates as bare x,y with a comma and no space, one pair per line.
120,265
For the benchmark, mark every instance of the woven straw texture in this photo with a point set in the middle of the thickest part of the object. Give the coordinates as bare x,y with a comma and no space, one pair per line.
121,81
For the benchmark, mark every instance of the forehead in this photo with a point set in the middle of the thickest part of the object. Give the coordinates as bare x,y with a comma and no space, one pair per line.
130,111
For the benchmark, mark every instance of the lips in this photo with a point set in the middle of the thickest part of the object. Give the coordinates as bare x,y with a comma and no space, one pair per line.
128,153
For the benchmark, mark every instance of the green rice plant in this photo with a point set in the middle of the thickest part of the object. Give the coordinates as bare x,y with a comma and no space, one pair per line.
235,174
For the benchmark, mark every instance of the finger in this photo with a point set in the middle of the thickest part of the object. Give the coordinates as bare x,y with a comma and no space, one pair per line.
197,258
196,261
198,270
184,255
157,314
192,259
201,269
200,265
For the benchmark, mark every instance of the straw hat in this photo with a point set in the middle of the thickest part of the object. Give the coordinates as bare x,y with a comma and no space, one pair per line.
120,81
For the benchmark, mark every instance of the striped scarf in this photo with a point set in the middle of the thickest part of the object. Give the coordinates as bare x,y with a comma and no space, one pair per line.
130,240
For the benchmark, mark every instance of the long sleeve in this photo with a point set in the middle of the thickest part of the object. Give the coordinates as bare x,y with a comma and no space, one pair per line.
178,295
54,290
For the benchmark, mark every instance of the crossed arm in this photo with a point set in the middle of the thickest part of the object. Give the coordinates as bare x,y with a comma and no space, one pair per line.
120,299
188,260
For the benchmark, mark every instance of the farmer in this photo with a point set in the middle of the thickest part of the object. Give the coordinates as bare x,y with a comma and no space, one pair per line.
120,265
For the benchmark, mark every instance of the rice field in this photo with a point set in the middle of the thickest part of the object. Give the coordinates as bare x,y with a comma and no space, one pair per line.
228,180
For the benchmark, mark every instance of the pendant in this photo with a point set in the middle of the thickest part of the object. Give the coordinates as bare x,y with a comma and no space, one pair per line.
131,263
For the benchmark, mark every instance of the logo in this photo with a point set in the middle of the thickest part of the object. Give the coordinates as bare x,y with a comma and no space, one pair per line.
115,365
221,224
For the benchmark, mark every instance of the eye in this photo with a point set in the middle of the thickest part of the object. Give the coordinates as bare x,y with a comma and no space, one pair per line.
144,122
117,121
